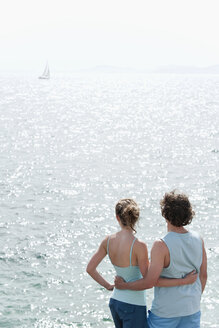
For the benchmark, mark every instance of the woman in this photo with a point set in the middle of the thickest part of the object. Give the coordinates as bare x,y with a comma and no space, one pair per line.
129,257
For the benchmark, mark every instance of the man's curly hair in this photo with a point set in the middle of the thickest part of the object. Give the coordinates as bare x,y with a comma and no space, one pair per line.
177,209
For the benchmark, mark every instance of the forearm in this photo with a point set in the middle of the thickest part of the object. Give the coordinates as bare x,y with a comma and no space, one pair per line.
203,280
99,279
140,284
166,282
203,275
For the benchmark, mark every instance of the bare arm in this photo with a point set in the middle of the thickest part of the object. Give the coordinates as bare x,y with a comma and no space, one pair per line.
190,278
155,268
142,257
203,270
158,253
95,261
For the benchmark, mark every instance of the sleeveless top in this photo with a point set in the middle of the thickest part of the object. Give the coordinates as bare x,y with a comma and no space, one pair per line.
130,273
185,256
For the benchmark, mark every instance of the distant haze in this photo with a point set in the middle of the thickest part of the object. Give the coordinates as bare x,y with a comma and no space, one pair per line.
74,34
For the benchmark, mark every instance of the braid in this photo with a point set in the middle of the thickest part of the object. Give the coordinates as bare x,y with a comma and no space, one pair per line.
128,212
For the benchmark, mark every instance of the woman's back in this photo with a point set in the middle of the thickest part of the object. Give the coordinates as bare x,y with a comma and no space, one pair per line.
129,257
123,249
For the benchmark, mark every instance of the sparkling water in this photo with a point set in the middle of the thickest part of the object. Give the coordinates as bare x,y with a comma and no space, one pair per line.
71,147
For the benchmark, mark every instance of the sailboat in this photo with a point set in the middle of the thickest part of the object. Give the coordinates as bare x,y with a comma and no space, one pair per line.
46,73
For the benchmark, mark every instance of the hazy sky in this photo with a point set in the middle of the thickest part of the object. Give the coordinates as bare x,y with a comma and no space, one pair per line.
85,33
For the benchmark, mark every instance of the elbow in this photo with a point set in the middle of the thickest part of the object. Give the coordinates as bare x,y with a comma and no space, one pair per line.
156,285
89,269
150,285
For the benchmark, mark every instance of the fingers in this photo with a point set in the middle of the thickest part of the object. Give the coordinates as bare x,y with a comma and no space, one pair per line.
194,272
111,287
193,277
118,279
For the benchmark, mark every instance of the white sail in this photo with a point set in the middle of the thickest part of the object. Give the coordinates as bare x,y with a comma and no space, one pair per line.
46,73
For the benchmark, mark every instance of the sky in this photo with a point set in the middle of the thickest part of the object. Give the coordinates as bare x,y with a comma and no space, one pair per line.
75,34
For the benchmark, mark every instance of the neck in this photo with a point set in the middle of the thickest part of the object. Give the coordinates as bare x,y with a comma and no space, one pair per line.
127,230
172,228
124,228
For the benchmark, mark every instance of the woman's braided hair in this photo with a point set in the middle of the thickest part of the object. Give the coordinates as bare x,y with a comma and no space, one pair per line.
128,212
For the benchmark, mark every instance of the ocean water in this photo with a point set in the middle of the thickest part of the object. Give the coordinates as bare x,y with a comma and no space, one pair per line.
70,148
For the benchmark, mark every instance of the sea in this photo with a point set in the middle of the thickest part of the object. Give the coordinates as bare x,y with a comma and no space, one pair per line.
70,148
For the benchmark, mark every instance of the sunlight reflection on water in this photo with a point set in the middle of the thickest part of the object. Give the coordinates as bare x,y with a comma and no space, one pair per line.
69,150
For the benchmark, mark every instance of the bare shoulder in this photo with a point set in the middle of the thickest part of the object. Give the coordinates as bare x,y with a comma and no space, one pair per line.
203,248
139,244
105,240
160,246
203,243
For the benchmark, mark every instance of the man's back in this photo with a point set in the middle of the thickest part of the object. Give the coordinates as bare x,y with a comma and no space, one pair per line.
185,251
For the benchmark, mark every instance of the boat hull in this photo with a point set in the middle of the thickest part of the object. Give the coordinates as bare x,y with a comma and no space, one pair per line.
43,78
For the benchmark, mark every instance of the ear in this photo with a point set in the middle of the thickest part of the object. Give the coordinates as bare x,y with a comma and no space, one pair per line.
118,218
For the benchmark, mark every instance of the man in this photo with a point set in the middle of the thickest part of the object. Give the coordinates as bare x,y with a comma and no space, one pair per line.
174,256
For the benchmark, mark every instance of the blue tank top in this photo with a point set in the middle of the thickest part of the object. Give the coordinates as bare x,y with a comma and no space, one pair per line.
185,256
130,273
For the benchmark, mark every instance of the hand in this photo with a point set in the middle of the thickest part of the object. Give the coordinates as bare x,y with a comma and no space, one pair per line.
110,287
191,277
119,282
